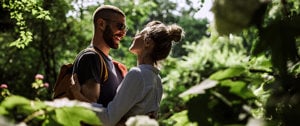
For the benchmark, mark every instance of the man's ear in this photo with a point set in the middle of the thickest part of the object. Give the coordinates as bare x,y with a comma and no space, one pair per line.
101,24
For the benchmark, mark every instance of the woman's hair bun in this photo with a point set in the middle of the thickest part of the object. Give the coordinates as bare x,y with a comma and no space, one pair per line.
175,32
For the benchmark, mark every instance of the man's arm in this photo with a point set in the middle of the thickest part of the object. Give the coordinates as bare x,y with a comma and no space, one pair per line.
89,92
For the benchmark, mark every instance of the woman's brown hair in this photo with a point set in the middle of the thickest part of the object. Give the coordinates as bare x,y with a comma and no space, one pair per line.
163,36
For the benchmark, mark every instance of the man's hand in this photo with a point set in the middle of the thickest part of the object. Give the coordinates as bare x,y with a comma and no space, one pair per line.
91,90
75,90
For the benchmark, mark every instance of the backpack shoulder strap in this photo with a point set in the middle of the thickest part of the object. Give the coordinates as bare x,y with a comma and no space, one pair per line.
102,65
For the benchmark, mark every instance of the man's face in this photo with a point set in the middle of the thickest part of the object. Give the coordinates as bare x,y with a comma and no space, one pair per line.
108,37
114,31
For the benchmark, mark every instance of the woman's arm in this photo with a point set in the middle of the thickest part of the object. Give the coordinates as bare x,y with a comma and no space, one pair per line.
129,93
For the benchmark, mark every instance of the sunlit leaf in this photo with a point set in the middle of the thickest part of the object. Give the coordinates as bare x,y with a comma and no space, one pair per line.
181,119
199,88
228,73
238,87
3,111
72,116
13,101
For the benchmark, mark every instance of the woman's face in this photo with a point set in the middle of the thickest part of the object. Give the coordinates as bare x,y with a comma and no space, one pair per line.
138,43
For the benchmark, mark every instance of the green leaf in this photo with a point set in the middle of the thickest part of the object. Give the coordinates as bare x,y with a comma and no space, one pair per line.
3,111
228,73
19,103
199,109
199,88
72,116
39,105
238,87
12,101
182,119
22,105
51,120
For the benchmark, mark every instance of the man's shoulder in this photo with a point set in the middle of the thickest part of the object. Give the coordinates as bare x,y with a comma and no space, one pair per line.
87,55
88,52
85,58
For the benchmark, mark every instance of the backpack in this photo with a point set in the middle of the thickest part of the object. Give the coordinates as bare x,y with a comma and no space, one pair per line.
65,80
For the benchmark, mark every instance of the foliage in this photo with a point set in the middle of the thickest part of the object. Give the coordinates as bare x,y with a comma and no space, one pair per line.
266,87
4,91
278,31
40,87
182,118
49,41
251,53
232,16
190,24
282,47
21,12
16,32
21,111
215,53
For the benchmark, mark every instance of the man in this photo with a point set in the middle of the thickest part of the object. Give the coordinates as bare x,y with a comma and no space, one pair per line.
109,29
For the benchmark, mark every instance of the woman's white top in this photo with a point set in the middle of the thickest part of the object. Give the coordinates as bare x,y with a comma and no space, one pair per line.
139,93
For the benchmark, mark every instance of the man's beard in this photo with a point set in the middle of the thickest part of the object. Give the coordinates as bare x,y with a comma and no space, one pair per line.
108,38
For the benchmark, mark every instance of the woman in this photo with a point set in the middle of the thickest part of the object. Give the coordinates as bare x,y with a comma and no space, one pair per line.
140,92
